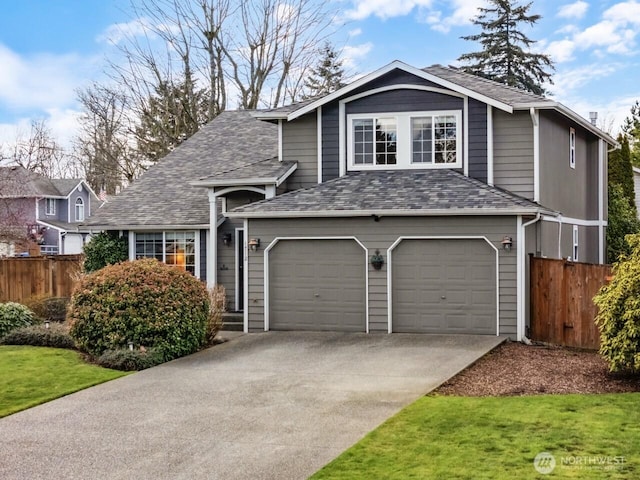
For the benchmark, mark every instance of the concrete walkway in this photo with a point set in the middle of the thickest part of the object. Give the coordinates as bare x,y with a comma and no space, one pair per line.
276,405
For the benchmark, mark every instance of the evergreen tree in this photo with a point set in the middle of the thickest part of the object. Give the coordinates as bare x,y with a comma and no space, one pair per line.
327,75
505,56
622,221
631,128
620,171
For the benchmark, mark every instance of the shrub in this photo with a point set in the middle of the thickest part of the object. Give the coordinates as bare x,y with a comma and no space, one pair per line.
145,302
47,307
129,360
619,312
56,336
218,305
104,249
14,315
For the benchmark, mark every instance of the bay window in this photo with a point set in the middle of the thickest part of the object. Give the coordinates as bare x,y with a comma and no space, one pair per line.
175,248
405,140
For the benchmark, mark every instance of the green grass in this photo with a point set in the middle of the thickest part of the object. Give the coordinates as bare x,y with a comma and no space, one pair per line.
441,437
30,376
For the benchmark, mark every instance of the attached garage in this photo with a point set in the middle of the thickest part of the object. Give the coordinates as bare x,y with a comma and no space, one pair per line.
317,285
444,286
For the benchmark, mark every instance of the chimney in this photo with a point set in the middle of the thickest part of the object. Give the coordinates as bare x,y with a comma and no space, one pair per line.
593,117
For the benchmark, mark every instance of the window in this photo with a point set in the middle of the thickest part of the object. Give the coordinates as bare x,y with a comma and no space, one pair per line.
79,210
172,248
572,148
405,140
49,206
575,243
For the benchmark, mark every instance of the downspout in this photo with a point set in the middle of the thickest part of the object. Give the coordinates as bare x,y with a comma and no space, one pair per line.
521,260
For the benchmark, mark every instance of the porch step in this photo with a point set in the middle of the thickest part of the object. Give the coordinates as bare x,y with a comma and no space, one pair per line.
233,321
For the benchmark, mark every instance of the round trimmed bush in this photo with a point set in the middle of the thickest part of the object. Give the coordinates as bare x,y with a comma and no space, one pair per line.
14,315
145,302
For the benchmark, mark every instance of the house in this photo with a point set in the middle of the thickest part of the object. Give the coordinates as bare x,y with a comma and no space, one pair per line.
407,201
47,211
636,187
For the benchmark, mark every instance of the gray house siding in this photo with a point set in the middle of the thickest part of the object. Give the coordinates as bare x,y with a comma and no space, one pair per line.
548,237
381,235
71,202
203,254
513,152
330,142
404,101
477,140
226,274
300,144
571,191
395,77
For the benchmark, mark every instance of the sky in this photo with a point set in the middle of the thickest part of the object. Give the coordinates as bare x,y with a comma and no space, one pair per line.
50,48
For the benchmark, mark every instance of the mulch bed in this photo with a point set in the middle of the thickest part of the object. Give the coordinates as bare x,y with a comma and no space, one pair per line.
518,369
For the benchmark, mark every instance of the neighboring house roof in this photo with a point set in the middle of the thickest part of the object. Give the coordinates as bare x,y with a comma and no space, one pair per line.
18,182
490,92
403,192
164,195
64,226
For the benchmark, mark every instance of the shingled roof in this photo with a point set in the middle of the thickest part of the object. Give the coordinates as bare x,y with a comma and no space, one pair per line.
403,192
164,196
18,182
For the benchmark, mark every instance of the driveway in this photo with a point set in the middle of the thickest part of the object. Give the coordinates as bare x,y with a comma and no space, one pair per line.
271,405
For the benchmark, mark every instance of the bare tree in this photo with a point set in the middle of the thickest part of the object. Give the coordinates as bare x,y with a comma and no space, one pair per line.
39,152
104,144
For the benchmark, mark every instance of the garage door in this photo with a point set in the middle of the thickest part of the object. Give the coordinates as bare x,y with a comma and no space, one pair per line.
444,286
317,285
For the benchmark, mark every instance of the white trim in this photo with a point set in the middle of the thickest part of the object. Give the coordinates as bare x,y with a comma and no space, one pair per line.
280,140
535,119
406,68
276,240
212,275
196,253
238,248
573,221
52,212
342,147
465,136
438,237
601,194
319,140
386,213
75,212
575,250
224,191
401,86
572,147
245,259
403,140
490,145
208,259
520,280
132,245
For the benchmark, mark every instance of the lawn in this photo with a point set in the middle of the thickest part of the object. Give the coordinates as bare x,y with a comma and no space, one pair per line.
30,376
498,438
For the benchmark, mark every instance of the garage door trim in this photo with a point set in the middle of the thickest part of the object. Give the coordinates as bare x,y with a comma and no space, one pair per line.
276,240
438,237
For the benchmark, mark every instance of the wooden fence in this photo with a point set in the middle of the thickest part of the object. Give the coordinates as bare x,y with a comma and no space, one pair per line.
24,277
562,309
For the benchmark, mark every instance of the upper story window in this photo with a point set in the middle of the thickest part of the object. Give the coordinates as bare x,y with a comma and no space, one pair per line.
79,210
49,206
572,148
405,140
576,243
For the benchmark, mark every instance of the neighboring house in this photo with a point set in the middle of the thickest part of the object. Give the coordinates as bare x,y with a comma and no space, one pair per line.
636,187
448,180
47,211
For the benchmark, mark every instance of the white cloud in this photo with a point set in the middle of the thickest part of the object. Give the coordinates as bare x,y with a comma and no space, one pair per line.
568,81
561,50
624,12
352,54
355,32
573,11
463,12
384,8
117,32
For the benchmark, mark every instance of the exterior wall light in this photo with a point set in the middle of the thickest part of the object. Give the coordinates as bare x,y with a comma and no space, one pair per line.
46,324
254,243
377,260
226,239
507,242
131,346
